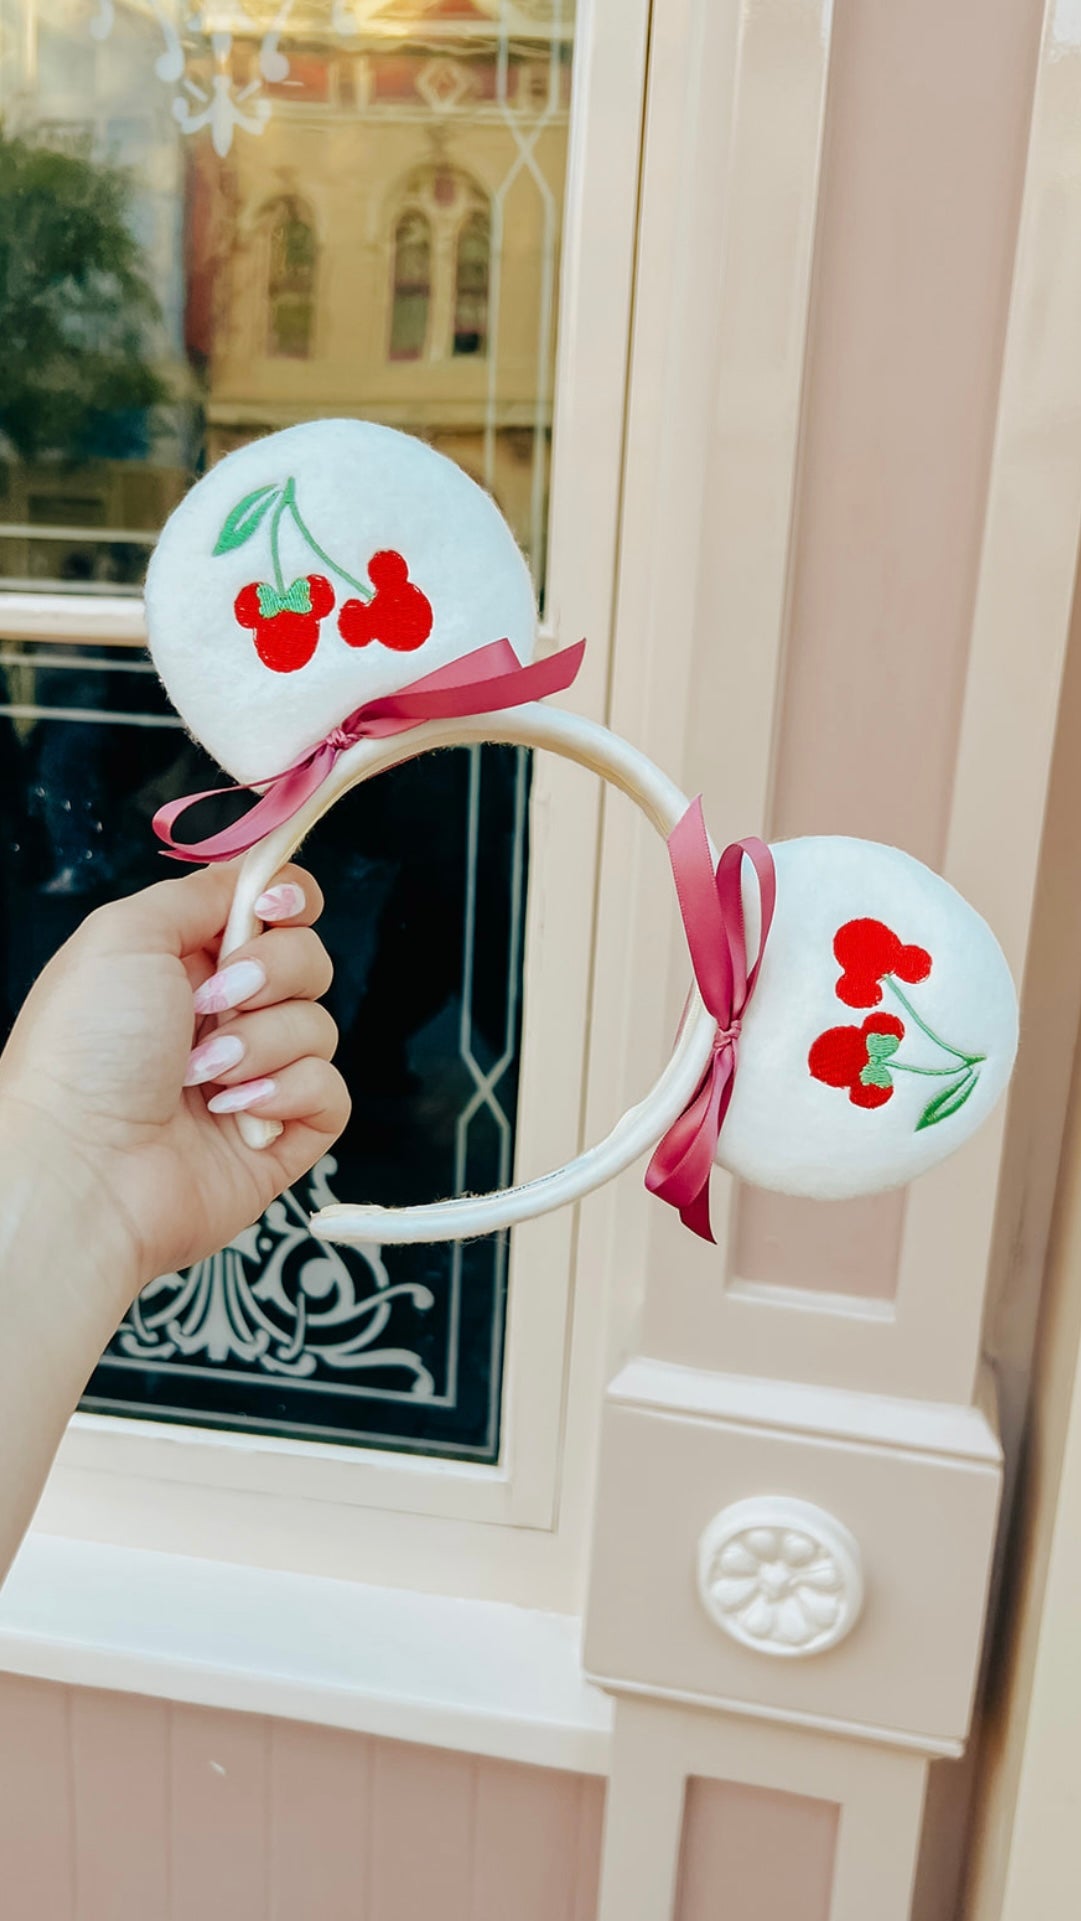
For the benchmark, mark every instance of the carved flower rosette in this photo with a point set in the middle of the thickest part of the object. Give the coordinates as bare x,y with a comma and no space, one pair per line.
780,1575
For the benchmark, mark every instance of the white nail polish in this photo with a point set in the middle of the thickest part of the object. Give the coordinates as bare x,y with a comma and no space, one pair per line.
230,987
237,1100
282,902
212,1057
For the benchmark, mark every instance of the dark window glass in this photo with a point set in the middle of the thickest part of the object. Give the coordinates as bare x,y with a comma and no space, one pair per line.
424,871
471,287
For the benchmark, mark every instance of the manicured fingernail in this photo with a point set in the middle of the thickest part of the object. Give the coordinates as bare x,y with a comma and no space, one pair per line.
229,987
213,1057
236,1100
280,903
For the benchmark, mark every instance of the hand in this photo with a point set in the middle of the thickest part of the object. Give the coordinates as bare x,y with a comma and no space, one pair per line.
99,1081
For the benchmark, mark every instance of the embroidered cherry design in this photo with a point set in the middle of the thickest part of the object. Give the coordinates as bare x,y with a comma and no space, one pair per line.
398,615
864,1059
857,1058
868,950
285,620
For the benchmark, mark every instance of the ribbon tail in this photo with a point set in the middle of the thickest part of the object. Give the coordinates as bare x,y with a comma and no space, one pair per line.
696,1215
682,1162
447,694
283,797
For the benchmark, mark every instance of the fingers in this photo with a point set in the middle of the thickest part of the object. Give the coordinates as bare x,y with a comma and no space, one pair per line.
311,1091
252,1046
293,899
183,916
286,963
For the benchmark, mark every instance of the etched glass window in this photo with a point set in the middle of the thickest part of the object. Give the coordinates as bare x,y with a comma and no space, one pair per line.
222,226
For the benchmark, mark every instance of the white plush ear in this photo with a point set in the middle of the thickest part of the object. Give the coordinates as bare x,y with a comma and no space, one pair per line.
882,1030
319,568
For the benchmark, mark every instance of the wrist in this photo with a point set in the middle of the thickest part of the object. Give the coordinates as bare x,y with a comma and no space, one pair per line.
59,1217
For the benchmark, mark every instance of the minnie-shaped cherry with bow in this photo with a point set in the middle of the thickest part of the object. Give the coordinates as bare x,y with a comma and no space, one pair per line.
285,617
863,1060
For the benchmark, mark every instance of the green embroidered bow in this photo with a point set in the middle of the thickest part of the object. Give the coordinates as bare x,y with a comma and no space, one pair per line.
297,598
879,1049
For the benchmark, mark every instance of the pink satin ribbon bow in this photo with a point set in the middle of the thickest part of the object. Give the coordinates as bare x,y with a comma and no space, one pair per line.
484,682
712,908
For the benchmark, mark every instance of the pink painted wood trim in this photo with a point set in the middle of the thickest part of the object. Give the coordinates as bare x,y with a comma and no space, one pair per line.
755,1854
118,1808
914,257
422,1833
37,1856
219,1795
527,1838
119,1763
320,1823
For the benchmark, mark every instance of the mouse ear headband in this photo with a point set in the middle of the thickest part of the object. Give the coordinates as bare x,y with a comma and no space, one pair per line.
851,1020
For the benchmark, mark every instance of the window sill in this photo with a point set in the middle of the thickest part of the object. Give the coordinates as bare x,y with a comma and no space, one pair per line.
116,619
479,1676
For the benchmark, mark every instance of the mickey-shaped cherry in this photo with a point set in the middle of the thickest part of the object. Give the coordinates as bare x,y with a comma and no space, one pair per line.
285,620
398,614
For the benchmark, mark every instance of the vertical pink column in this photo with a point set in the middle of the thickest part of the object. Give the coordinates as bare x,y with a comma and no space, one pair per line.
928,119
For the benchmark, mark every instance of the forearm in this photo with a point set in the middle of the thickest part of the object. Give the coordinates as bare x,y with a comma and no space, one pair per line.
64,1280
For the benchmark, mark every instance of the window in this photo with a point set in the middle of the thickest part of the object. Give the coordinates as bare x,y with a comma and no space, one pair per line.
290,281
202,175
412,287
276,1333
441,257
471,287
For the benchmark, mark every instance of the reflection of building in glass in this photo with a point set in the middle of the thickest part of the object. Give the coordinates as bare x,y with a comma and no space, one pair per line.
290,278
64,89
353,212
388,246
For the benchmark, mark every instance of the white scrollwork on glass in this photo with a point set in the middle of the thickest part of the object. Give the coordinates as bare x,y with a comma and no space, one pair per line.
780,1575
279,1301
222,105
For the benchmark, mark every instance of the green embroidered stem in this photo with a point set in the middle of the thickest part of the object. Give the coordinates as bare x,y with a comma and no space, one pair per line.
275,526
289,500
902,1067
968,1060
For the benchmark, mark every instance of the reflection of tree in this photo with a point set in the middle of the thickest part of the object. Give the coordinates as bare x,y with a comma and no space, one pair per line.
75,307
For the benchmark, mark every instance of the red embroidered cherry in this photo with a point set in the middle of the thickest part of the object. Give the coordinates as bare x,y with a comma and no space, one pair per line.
398,614
868,949
856,1058
286,620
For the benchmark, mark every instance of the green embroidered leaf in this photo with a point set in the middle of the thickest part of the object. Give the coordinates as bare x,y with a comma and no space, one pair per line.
245,518
947,1101
876,1075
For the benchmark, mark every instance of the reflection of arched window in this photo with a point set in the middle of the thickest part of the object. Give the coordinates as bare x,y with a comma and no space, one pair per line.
291,281
471,287
412,287
440,262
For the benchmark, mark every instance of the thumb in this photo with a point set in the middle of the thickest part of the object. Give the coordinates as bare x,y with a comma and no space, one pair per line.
173,917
